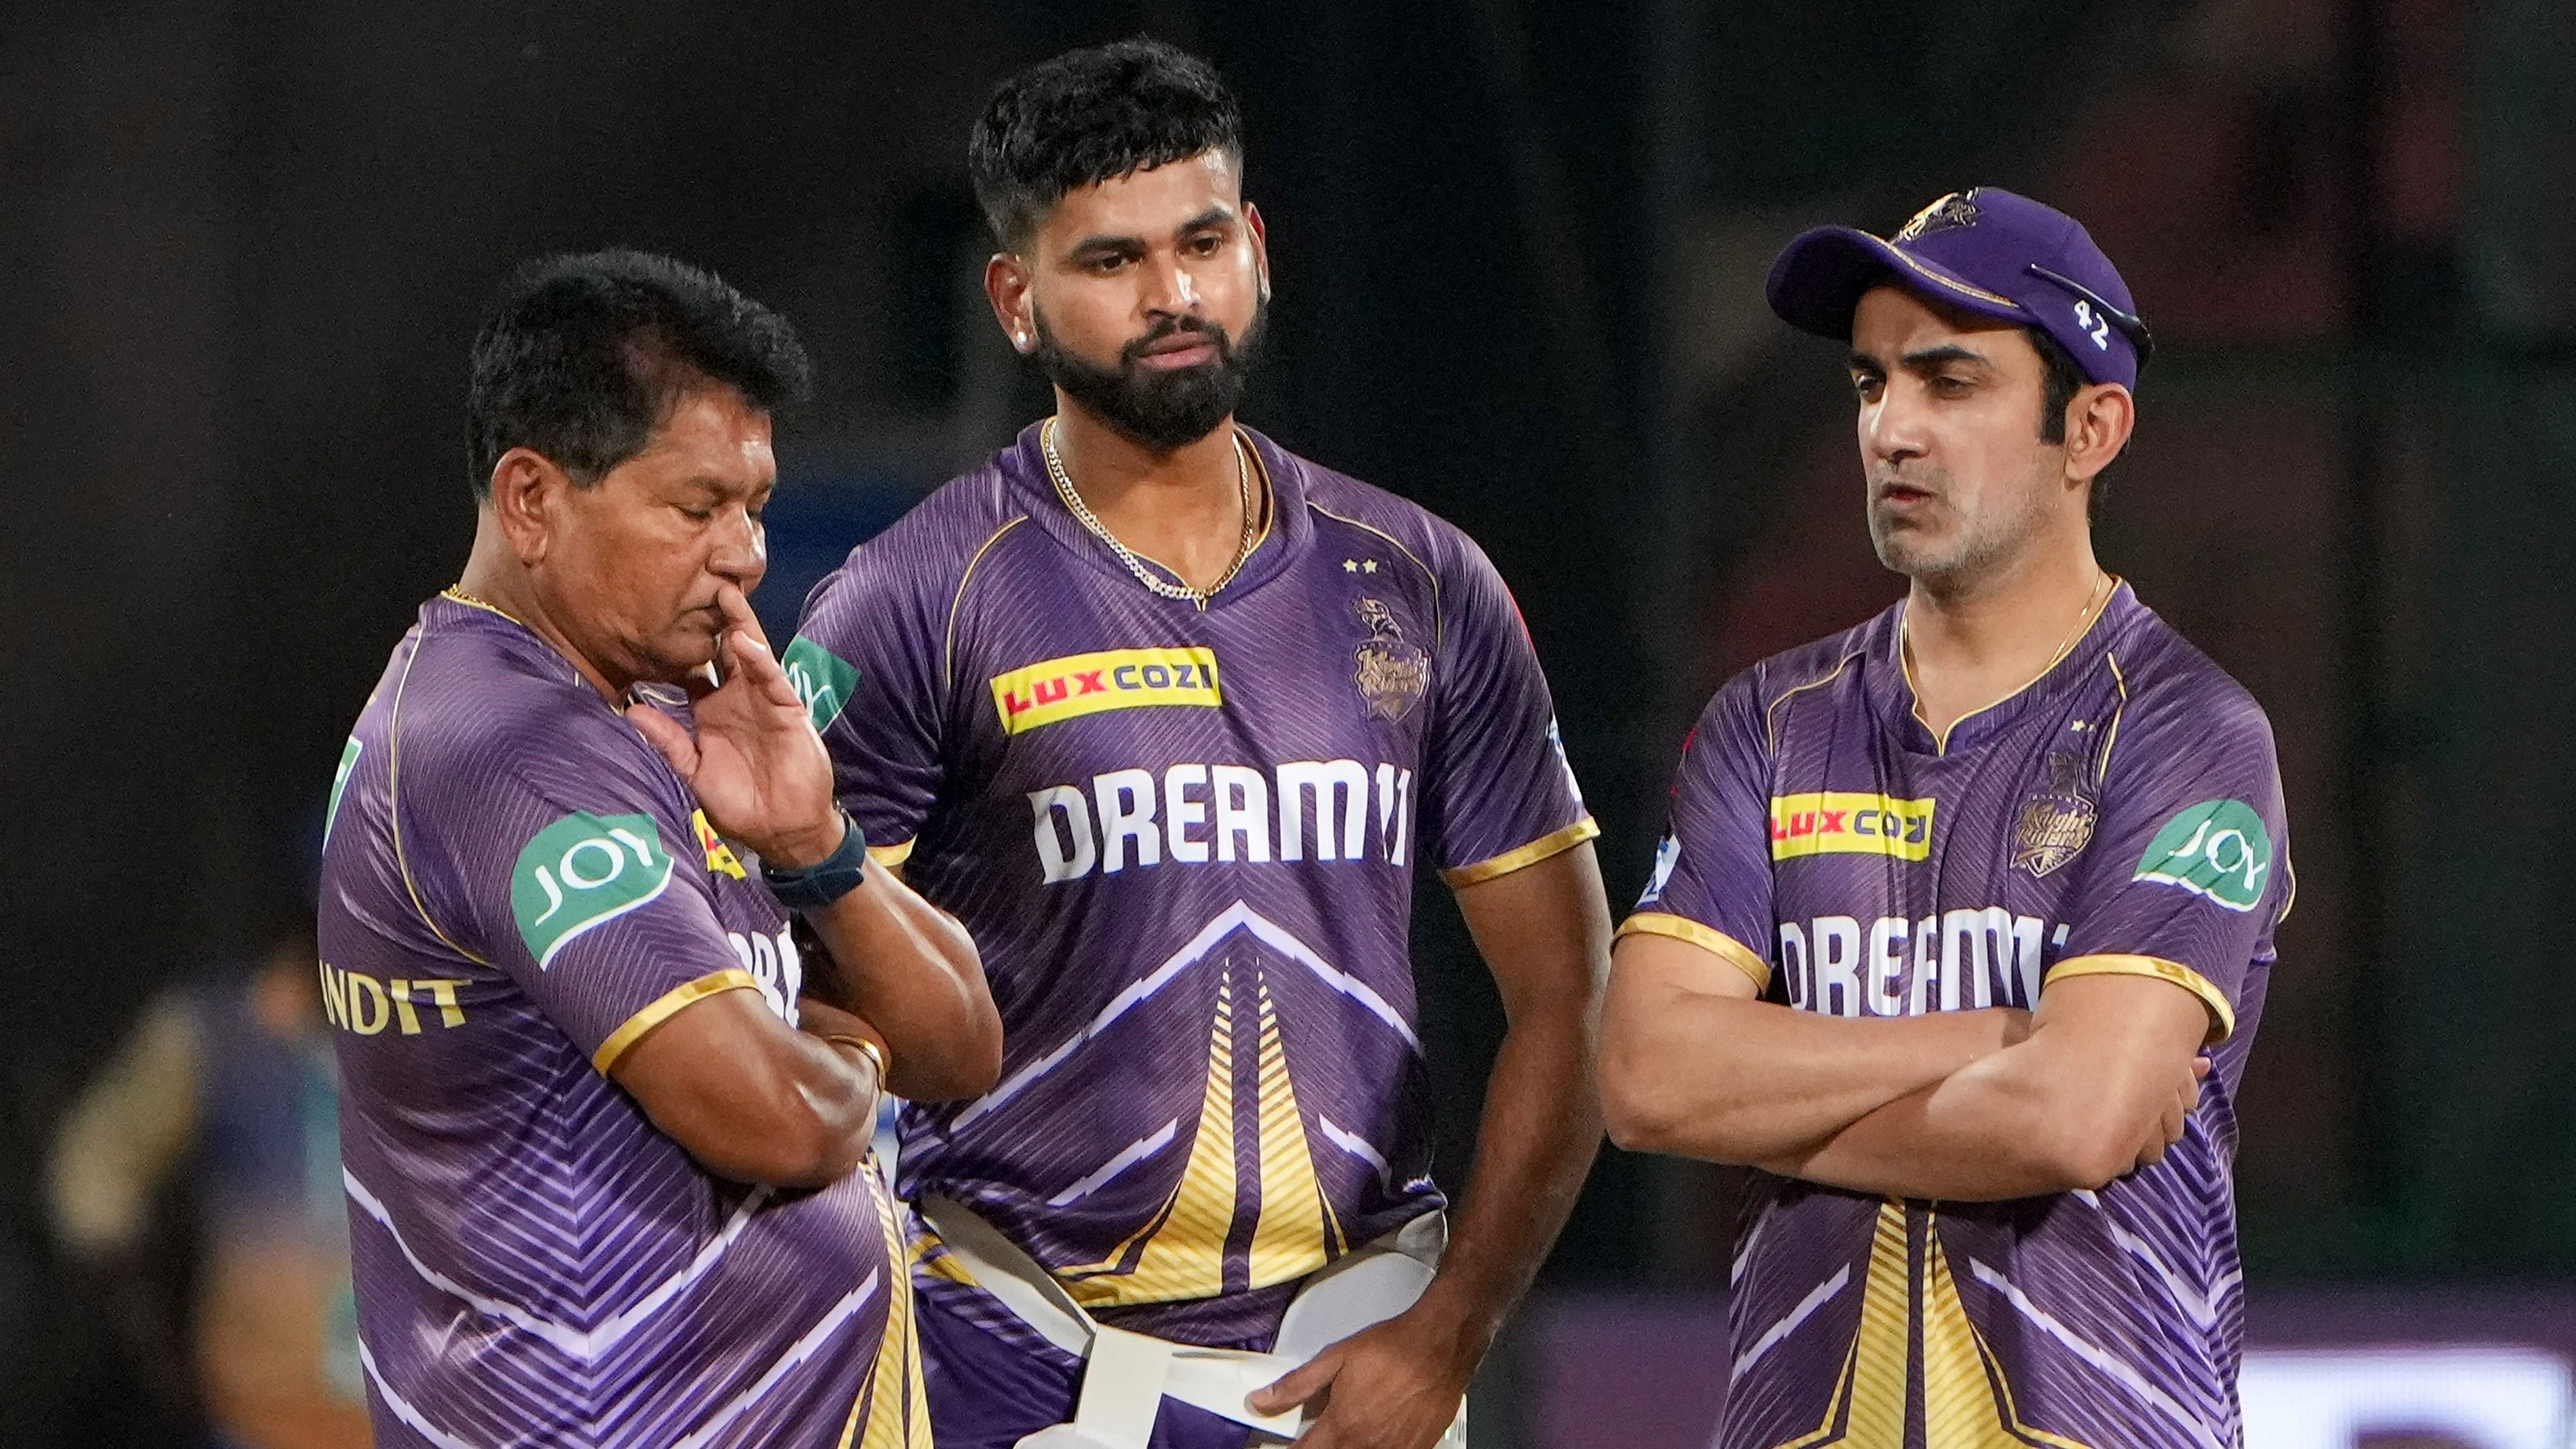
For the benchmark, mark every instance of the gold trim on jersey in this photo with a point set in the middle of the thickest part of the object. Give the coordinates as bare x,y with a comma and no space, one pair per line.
1179,1254
1269,492
892,856
896,1402
2111,735
455,594
1439,616
1967,1400
1881,1349
948,643
2074,641
2222,1016
1716,942
393,801
1555,842
1771,715
661,1008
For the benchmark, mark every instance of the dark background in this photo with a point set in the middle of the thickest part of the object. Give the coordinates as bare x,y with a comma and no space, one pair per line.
1518,247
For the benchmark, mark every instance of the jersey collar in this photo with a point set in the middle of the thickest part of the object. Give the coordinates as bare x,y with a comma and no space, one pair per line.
1023,467
452,613
1893,691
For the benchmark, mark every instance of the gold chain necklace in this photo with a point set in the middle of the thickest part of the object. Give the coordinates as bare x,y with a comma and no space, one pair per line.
1905,658
2100,584
457,593
1180,593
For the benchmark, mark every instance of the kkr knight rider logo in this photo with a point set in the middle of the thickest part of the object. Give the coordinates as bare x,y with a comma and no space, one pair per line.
1389,672
1951,212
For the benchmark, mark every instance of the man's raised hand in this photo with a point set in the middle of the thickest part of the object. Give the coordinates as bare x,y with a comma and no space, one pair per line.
754,762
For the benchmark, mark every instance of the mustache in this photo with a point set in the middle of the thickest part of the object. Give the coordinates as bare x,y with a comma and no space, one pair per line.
1173,327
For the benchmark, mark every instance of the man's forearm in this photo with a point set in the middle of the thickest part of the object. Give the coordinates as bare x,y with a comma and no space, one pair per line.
1971,1138
1734,1080
912,972
1540,1131
1544,931
2104,1081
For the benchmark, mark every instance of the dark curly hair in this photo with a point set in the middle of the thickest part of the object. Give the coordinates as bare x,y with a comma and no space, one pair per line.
1089,116
581,356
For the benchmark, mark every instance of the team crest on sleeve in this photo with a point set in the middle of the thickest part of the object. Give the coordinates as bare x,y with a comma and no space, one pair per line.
2055,824
1391,672
822,679
584,871
2218,849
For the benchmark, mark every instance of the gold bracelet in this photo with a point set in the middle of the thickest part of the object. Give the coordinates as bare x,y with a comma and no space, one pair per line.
874,1053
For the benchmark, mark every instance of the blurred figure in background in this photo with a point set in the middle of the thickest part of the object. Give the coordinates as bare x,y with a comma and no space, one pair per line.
227,1084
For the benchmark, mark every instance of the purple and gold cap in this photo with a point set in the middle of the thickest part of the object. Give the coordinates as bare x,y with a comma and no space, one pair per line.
1982,250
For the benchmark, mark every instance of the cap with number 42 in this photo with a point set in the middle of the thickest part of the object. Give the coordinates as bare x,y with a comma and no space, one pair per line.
1983,250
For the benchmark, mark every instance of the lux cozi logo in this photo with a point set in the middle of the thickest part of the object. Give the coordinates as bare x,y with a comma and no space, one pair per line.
1081,684
1850,822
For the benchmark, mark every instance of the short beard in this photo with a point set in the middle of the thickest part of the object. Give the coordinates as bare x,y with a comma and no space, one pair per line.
1159,410
1960,560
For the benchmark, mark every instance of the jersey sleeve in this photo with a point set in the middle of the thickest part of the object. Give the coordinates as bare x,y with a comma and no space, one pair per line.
565,864
1498,793
1712,880
2188,870
866,661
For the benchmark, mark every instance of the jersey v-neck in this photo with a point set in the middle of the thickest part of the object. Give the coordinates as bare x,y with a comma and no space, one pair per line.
1289,527
1892,686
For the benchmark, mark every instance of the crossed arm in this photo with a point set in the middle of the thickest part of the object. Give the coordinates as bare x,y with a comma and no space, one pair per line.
756,1101
748,1096
1964,1105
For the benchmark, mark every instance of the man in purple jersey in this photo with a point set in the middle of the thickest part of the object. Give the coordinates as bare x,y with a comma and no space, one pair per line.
1166,716
1954,902
603,1126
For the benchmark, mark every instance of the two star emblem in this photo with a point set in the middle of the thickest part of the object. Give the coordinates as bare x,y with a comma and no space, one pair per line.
1359,566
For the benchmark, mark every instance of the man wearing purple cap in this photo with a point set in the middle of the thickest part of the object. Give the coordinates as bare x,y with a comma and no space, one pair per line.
1953,904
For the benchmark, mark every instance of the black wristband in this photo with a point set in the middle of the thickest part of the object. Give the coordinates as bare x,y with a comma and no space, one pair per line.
810,888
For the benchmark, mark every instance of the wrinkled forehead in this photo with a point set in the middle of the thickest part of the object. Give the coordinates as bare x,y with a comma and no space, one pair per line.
1147,205
711,433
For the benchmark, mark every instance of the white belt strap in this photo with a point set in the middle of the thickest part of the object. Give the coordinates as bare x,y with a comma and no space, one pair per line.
1128,1375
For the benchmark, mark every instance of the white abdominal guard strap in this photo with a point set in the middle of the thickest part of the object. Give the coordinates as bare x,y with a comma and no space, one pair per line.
1126,1376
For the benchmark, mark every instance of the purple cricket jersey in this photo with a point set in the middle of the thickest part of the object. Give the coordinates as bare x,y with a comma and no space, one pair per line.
515,889
1185,840
2120,815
